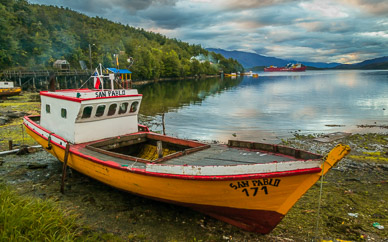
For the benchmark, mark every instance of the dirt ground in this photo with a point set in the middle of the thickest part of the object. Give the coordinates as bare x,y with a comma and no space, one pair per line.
354,195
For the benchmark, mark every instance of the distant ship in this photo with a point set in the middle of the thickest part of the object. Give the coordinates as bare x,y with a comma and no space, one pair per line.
288,67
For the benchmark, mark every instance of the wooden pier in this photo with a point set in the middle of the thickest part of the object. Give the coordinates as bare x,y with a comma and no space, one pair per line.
39,79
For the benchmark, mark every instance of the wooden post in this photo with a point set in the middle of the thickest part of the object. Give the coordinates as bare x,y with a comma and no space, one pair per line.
52,82
159,148
164,126
65,167
10,144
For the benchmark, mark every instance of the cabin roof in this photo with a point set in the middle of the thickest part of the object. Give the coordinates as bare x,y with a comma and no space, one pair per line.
61,62
79,95
120,71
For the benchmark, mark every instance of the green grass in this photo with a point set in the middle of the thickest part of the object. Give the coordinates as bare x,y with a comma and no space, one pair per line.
27,219
33,219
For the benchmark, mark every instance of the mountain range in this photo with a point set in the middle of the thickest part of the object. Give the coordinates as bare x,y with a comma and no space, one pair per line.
251,60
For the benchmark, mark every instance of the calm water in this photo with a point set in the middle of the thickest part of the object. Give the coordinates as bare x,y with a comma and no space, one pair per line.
270,107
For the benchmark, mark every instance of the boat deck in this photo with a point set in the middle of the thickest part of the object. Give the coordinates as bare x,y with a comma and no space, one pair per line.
215,155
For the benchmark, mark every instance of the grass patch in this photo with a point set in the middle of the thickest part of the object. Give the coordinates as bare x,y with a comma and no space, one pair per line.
33,219
28,103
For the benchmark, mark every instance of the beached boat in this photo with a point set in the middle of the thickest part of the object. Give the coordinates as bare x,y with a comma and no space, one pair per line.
247,184
8,89
290,67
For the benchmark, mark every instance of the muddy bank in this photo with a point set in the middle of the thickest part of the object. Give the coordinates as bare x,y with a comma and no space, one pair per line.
358,185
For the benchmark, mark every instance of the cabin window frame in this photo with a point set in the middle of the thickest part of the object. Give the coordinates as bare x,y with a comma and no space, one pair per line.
98,114
90,113
64,113
136,104
121,111
48,108
111,112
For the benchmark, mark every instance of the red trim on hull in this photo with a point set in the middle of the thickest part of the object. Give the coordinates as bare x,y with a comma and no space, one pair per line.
259,221
232,177
274,69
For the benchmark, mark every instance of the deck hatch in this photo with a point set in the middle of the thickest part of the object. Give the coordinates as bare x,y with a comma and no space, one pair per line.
143,147
298,154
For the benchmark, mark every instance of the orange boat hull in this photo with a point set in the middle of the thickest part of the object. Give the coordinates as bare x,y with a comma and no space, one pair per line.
254,203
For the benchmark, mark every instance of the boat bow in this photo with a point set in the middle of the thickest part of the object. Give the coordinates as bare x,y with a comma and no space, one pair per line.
334,156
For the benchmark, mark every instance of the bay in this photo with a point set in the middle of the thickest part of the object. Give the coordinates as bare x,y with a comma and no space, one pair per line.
268,108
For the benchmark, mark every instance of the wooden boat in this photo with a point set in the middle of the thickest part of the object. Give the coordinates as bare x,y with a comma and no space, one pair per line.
247,184
7,89
250,73
255,75
230,75
290,67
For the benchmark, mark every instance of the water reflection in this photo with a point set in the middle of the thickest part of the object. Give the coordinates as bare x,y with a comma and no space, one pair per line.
269,107
162,97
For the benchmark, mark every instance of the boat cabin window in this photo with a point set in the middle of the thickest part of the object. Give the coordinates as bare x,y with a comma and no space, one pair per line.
100,110
47,108
134,107
63,113
112,109
123,108
87,112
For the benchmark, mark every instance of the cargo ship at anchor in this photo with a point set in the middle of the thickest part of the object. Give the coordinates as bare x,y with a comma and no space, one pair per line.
289,67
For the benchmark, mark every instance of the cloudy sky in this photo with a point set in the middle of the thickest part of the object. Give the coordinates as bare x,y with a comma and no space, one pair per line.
345,31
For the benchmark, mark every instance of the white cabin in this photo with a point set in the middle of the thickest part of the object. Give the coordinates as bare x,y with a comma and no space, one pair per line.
87,115
6,85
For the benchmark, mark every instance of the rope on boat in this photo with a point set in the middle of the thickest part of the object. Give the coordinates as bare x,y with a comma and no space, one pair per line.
64,167
49,146
319,200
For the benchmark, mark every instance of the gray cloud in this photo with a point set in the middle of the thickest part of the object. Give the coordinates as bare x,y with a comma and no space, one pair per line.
310,30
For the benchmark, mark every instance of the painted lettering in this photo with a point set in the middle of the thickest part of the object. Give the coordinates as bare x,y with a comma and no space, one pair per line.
255,185
246,192
243,184
113,93
233,186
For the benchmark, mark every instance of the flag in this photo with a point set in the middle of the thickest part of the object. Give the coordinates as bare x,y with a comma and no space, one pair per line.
97,81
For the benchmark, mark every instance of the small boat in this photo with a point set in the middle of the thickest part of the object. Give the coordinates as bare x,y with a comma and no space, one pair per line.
230,75
7,89
246,73
247,184
289,67
255,75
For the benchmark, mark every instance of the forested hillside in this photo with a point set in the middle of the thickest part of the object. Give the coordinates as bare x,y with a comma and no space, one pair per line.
34,36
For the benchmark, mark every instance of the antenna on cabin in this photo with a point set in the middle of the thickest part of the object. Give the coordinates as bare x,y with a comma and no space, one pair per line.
112,78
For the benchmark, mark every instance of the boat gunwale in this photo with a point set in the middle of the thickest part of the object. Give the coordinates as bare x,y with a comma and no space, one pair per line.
74,149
